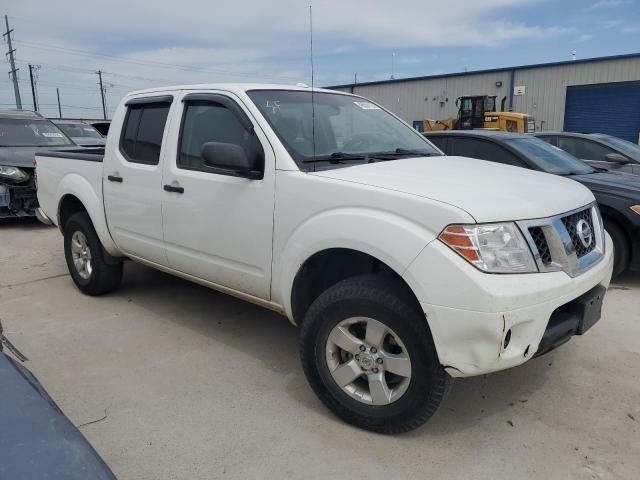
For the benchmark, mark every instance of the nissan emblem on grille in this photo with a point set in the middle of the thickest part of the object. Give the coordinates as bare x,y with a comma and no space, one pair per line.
584,233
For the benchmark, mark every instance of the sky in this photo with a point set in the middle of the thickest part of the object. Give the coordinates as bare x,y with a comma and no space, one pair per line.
154,43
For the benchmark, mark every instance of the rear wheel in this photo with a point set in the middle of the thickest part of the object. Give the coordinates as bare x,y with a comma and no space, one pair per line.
368,354
620,247
85,257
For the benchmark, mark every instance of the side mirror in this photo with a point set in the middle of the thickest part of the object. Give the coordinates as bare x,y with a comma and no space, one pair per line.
616,158
228,159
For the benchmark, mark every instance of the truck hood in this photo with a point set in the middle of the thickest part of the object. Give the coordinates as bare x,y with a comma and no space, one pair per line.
489,192
23,156
623,185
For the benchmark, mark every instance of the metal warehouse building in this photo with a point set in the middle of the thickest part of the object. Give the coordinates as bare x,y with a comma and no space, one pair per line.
591,95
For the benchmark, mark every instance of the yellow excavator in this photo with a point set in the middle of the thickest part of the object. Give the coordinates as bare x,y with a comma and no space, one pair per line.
479,112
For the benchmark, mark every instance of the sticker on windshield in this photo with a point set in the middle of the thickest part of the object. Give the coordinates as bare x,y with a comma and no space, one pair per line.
88,129
367,106
52,135
274,105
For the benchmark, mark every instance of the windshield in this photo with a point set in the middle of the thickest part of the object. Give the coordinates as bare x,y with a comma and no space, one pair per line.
490,104
548,158
79,130
347,128
626,147
30,133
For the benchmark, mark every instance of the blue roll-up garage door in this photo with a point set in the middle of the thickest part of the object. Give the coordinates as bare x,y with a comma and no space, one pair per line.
612,108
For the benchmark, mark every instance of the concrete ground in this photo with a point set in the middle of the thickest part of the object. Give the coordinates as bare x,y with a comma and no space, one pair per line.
197,385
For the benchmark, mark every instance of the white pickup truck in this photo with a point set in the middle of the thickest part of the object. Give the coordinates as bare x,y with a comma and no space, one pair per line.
403,267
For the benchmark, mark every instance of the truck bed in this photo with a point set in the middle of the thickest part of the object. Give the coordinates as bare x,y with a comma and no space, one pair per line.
74,171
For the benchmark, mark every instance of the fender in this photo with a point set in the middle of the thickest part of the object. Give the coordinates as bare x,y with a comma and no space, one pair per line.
76,185
388,237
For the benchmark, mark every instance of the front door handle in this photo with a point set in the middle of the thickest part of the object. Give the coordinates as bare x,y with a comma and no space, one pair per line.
173,188
114,178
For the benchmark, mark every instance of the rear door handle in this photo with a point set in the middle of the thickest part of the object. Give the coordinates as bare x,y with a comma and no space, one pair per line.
173,188
114,178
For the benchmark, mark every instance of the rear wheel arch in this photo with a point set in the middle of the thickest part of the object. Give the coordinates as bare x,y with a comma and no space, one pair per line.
69,204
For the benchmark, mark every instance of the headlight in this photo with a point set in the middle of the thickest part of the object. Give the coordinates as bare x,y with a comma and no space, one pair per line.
494,248
13,173
636,208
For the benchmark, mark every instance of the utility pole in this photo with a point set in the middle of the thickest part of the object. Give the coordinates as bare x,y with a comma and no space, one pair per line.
104,106
33,88
393,65
59,108
14,71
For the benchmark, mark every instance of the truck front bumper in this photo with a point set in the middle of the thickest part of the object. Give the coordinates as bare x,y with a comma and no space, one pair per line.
483,323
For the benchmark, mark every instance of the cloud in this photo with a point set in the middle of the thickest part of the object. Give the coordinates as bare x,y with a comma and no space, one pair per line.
621,26
610,3
585,37
202,41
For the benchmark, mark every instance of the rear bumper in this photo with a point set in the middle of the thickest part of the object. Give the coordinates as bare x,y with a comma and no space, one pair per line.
42,217
471,313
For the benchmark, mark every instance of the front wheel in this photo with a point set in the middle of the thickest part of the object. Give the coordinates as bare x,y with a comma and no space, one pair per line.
368,354
620,248
86,257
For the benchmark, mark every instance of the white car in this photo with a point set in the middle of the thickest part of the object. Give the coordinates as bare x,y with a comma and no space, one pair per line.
403,268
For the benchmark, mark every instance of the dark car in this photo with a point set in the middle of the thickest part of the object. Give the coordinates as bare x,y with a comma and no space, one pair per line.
82,133
22,133
618,194
37,440
101,125
598,149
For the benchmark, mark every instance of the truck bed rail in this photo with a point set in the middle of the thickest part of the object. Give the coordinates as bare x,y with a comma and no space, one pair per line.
87,154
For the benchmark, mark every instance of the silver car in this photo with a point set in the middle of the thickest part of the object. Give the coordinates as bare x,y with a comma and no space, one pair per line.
81,133
598,149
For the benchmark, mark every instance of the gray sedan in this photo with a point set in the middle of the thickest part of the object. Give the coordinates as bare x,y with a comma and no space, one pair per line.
82,133
598,149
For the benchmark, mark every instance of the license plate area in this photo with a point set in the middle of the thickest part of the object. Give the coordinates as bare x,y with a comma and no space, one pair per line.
587,308
5,196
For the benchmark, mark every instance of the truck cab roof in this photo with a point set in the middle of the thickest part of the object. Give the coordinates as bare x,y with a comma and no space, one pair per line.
235,87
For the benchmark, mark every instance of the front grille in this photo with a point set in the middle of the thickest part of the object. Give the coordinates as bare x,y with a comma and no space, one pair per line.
571,223
541,244
557,242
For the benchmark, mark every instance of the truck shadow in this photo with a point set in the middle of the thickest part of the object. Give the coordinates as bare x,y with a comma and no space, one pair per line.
269,338
23,223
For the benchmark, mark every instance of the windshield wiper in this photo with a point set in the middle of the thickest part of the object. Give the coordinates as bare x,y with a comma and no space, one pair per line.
337,157
401,152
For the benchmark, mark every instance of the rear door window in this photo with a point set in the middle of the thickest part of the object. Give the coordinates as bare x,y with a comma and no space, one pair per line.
584,149
143,131
440,142
484,150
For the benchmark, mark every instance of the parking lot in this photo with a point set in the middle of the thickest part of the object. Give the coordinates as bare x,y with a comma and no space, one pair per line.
172,380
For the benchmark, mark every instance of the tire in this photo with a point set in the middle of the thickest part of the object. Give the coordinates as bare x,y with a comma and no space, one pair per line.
620,247
380,300
81,241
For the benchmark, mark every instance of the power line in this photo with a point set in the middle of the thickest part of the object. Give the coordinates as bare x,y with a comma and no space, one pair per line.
140,62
